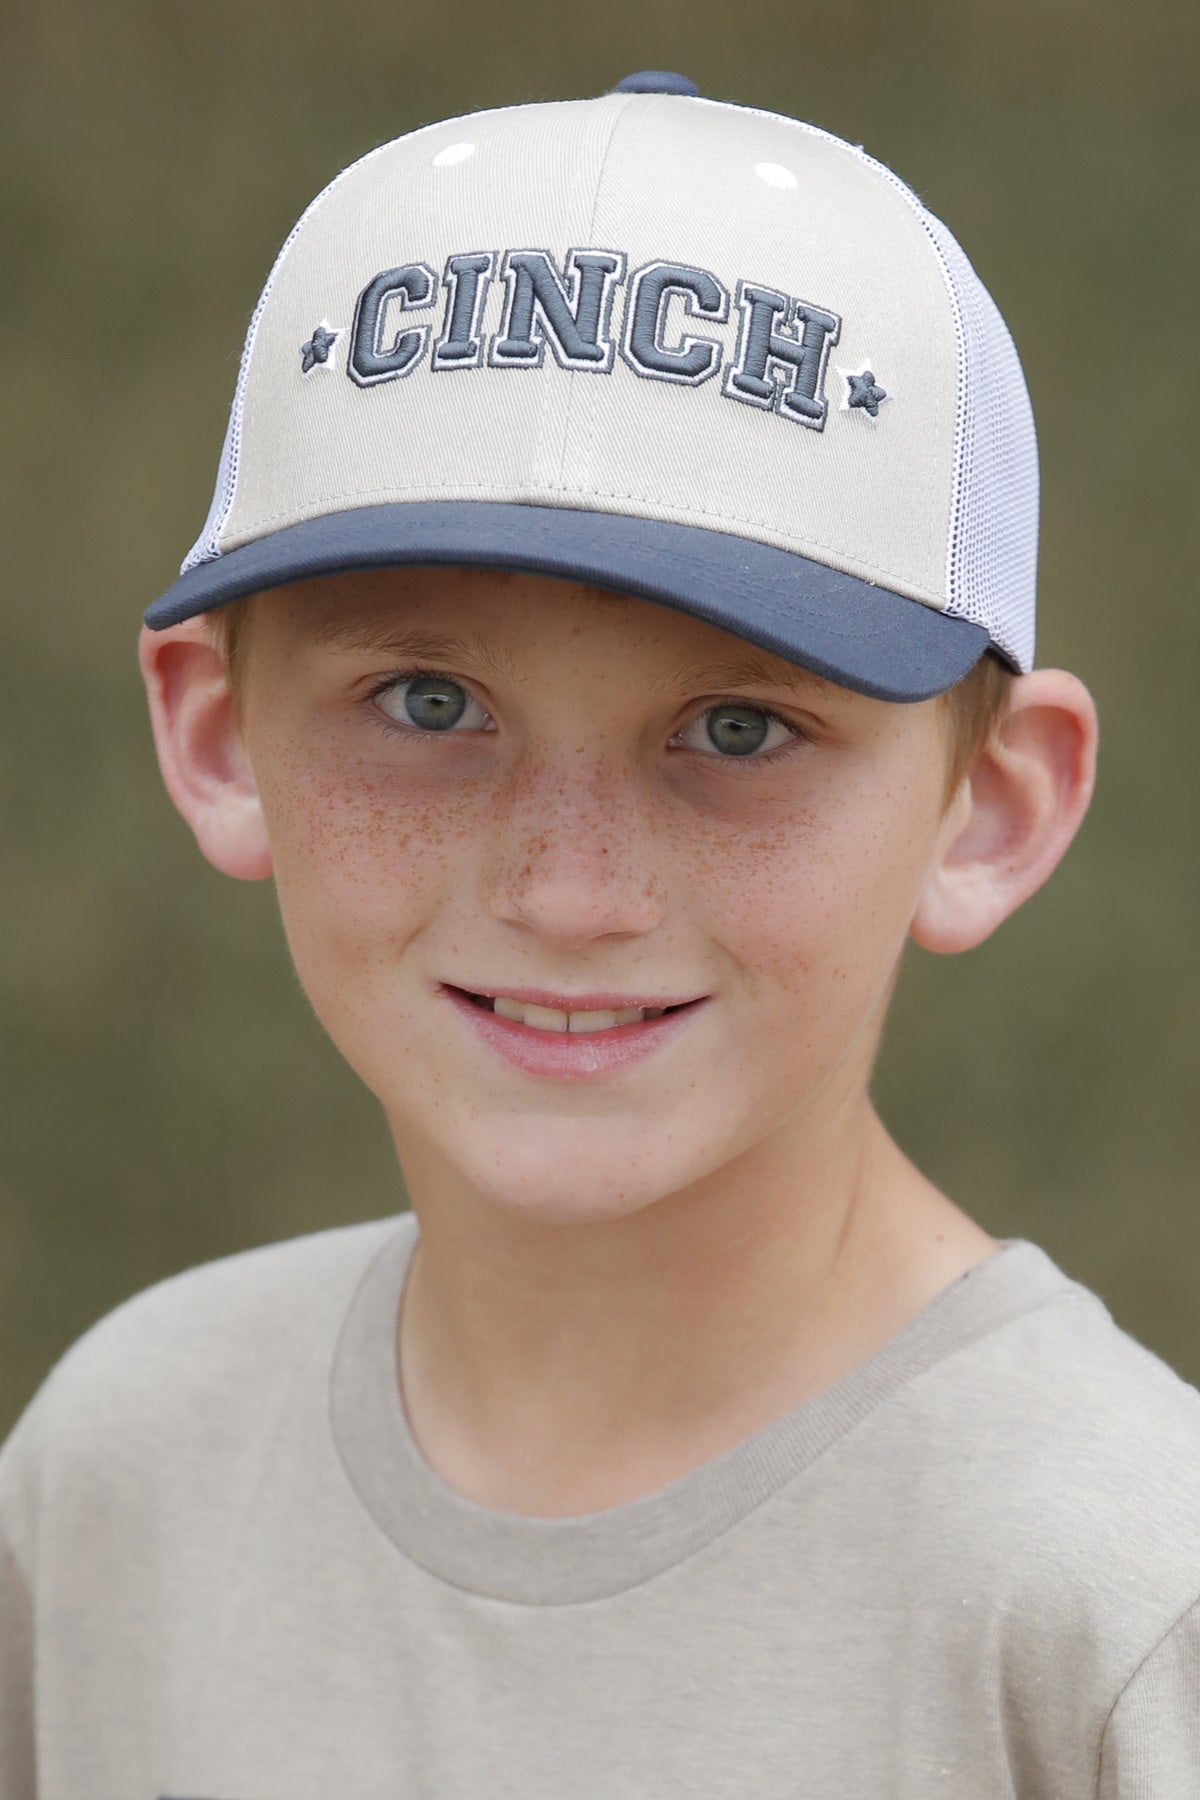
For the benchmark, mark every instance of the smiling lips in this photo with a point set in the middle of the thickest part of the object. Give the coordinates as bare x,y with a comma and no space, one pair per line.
584,1039
587,1013
549,1018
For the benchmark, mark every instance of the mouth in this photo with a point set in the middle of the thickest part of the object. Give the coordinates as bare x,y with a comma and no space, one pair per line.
581,1039
578,1020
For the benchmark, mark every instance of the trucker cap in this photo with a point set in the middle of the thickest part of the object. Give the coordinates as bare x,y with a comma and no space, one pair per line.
696,352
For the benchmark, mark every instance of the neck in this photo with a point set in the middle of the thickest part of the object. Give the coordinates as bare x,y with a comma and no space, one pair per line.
557,1369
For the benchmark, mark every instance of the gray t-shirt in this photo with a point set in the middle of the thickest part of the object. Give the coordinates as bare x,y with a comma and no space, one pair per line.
969,1569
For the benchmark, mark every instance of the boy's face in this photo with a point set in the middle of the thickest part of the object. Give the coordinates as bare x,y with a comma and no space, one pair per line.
582,826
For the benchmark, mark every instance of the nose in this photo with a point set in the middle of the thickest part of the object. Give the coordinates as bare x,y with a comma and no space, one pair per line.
572,855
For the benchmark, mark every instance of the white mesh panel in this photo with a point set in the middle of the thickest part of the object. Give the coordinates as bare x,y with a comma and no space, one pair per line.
992,553
208,545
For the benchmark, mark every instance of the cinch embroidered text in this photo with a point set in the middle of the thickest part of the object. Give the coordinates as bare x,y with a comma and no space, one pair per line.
778,365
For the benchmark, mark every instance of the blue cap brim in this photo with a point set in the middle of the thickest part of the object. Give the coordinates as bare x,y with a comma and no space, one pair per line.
842,628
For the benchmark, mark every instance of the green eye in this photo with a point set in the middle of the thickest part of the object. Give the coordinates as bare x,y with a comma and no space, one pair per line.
736,730
427,702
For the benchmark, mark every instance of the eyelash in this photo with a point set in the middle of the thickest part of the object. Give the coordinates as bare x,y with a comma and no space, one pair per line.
394,728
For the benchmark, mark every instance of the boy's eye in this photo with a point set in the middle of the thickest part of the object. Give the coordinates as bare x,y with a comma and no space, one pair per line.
736,730
437,703
430,703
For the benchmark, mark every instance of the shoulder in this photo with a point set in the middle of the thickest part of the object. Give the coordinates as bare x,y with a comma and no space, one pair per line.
170,1367
215,1315
1090,1407
1068,1459
1101,1419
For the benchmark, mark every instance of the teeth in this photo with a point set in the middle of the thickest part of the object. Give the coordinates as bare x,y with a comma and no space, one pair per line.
546,1018
601,1021
549,1018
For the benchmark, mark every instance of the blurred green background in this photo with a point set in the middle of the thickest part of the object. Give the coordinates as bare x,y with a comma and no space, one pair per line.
167,1095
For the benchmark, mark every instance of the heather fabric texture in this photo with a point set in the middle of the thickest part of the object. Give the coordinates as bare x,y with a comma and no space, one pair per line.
969,1568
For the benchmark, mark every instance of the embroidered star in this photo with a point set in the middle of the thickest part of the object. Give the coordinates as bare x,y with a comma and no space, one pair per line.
317,348
865,392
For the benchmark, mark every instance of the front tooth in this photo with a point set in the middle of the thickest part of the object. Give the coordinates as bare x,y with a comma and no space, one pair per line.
508,1009
631,1015
598,1021
546,1018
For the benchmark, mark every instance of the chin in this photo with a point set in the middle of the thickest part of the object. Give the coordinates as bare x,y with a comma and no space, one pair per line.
586,1187
558,1172
557,1205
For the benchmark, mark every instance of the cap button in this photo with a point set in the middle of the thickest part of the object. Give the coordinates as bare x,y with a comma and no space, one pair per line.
656,81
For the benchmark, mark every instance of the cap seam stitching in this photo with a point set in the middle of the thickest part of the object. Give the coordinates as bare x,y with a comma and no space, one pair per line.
574,392
568,409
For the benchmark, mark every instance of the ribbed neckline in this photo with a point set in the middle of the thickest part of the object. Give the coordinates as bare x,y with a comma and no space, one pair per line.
558,1562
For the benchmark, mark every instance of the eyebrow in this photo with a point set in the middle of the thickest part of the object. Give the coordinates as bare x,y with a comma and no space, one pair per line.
418,644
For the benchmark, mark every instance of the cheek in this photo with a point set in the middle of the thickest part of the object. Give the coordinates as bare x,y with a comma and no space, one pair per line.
821,898
361,855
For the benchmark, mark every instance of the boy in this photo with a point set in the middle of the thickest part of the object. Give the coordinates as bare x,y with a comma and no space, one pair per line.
613,630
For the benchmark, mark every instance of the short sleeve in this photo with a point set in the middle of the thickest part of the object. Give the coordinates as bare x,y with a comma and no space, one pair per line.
1151,1744
18,1762
18,1780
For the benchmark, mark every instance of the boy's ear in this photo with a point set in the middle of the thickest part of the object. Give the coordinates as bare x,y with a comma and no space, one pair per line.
1015,813
200,751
